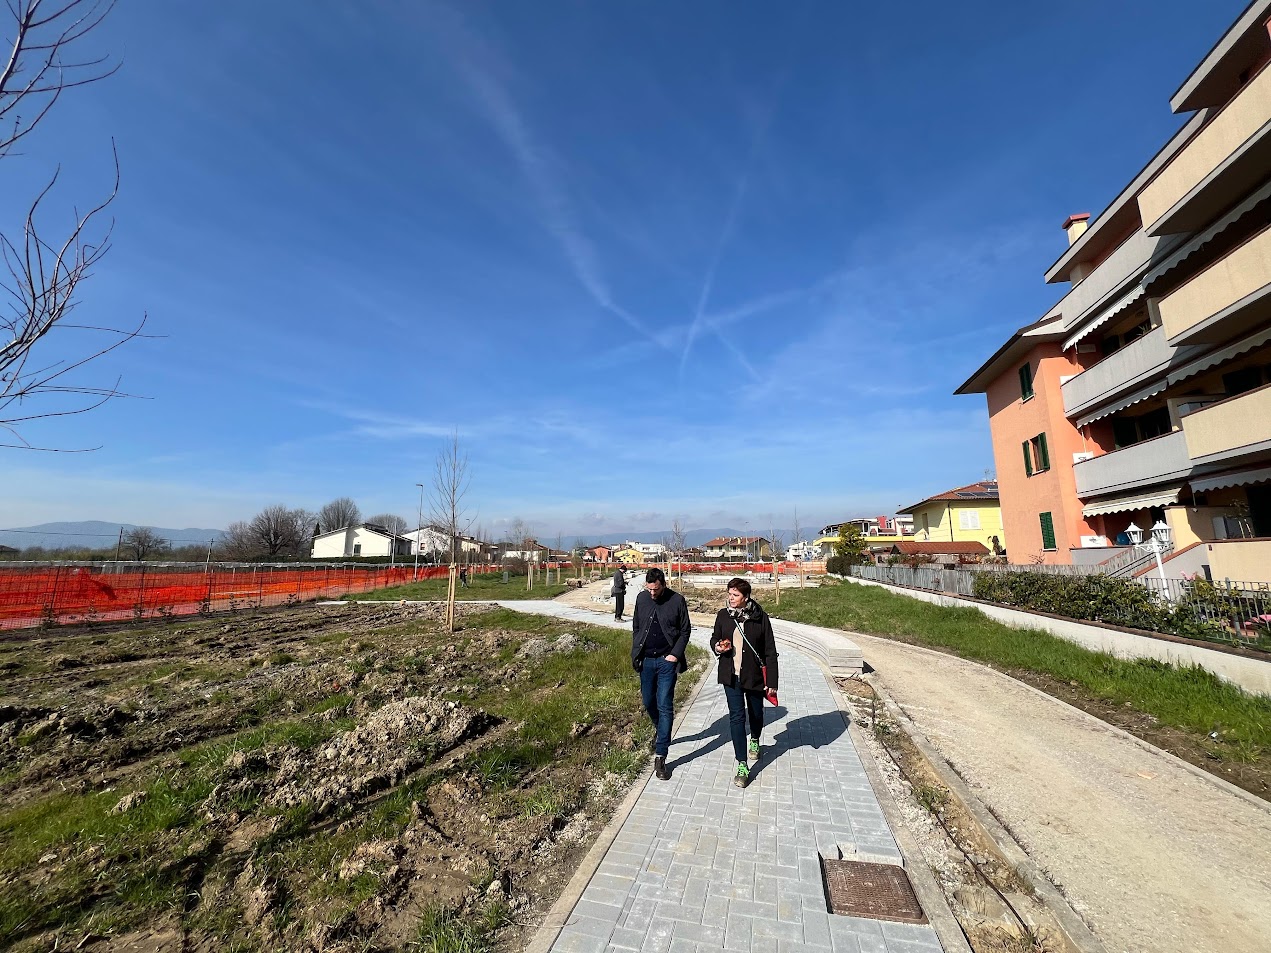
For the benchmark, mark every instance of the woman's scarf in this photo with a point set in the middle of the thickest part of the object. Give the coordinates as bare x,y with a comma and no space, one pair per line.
747,612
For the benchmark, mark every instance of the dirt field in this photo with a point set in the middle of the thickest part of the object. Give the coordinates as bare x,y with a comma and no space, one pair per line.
311,778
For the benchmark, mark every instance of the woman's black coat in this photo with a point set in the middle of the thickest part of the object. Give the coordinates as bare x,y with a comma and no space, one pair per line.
759,632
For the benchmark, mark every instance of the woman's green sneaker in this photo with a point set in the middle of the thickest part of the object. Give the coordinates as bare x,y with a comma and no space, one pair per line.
742,778
753,750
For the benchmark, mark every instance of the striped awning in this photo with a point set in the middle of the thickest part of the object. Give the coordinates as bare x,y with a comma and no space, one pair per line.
1239,478
1121,304
1208,235
1221,356
1124,402
1125,504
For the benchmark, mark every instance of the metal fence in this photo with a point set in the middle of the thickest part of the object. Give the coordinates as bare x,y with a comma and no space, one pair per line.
1243,608
1058,570
957,581
54,594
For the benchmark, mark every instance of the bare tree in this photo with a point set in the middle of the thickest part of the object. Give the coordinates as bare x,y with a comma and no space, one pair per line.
274,531
143,542
677,536
798,530
339,513
394,524
43,38
450,484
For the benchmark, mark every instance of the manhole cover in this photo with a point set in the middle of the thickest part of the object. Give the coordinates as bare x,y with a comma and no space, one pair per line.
875,891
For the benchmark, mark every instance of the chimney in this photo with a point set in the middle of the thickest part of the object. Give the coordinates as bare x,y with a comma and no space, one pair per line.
1076,226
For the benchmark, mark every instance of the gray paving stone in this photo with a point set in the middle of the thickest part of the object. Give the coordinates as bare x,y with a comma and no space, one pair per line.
590,926
702,865
627,937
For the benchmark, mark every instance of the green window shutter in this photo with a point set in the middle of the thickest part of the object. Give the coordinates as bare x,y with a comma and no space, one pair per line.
1048,531
1026,381
1028,460
1043,462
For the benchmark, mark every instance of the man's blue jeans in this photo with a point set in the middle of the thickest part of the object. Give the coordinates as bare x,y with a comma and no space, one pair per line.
657,688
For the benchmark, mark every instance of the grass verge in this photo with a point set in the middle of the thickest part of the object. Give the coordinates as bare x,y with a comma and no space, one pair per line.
1188,698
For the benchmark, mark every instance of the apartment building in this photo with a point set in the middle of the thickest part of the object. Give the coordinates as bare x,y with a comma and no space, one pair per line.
881,530
1143,397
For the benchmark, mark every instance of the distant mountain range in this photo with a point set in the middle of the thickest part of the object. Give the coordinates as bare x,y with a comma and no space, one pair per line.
95,534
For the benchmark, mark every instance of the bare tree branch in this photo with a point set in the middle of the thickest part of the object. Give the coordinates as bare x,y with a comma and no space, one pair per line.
338,514
43,274
446,495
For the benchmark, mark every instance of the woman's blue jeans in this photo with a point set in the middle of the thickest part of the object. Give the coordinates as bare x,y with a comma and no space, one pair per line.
657,689
740,703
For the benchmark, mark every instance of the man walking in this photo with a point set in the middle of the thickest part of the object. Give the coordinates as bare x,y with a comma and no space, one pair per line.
619,592
660,630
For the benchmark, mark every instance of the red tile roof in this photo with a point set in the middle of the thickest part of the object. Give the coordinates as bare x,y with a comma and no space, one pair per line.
936,548
973,492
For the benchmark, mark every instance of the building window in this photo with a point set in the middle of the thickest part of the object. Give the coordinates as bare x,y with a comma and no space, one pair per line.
1041,454
1048,532
357,549
968,519
1026,381
1036,455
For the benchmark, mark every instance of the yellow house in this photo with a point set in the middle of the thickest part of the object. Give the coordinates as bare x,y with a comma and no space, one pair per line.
966,514
628,555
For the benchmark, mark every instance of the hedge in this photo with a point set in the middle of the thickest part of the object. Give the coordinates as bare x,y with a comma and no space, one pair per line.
1202,612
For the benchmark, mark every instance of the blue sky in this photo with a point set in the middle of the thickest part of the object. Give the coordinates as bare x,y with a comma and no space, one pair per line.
712,261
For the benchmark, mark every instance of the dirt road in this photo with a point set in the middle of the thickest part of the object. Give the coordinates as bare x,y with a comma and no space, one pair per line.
1151,855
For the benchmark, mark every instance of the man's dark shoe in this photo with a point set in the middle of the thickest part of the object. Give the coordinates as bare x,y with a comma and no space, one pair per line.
659,769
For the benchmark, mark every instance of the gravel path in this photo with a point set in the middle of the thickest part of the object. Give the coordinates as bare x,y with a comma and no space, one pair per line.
1153,856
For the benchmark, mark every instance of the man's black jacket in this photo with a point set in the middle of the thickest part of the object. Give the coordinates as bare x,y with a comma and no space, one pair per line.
672,613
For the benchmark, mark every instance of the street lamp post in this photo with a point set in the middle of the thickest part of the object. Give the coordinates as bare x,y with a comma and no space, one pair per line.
1160,536
419,530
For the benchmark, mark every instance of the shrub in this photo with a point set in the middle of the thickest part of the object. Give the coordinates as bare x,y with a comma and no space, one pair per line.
841,565
1202,611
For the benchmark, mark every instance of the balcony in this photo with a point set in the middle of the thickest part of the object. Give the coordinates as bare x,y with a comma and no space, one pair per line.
1229,298
1110,280
1228,157
1237,427
1121,371
1158,460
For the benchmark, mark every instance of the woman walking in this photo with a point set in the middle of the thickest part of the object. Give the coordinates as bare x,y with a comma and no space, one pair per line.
743,642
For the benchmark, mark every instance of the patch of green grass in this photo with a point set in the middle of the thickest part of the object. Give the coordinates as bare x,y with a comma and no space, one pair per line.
623,761
281,658
545,800
485,587
333,701
1189,698
301,733
932,797
445,930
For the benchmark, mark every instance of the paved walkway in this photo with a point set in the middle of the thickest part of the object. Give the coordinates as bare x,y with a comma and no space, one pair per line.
700,864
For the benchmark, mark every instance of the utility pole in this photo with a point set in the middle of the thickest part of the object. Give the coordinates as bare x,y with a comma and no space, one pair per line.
119,545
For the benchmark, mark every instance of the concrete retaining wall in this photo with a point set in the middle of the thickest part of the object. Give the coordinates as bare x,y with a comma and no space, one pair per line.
1251,674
